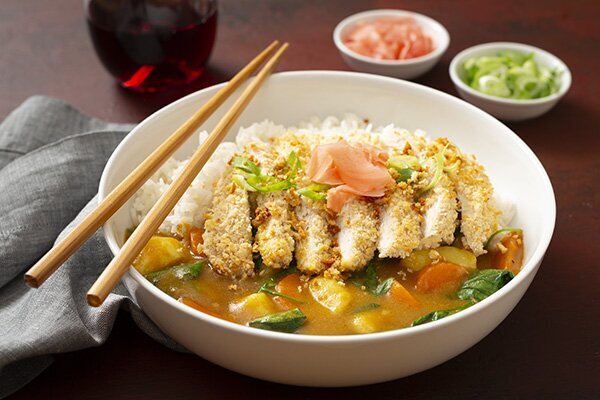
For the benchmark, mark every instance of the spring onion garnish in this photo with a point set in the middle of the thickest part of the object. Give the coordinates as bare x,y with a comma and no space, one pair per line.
497,237
265,183
403,161
511,75
241,182
244,164
405,166
253,180
316,191
294,164
456,163
452,167
439,170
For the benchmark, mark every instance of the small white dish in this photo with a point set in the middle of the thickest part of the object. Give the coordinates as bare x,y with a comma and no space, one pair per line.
509,109
404,69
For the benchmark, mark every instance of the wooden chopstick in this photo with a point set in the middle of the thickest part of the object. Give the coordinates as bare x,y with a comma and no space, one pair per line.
115,199
157,214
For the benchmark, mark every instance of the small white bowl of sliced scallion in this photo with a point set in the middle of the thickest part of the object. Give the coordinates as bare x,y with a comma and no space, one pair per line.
511,81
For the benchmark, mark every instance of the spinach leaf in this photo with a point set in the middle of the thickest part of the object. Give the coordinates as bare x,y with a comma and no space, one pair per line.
188,272
288,321
279,275
366,307
383,287
484,283
369,279
479,286
272,292
184,272
435,315
269,285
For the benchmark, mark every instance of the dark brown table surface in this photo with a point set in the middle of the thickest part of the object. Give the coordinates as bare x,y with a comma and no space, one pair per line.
549,346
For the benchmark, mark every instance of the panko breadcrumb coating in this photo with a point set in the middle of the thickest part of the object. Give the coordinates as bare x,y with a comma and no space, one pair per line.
227,230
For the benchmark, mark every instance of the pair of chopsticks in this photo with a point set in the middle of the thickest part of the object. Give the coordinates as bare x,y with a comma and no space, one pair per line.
113,272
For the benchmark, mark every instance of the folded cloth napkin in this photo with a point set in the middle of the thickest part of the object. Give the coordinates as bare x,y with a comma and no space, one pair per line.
51,159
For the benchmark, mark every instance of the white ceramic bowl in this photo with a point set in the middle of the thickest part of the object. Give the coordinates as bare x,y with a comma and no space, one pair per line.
404,69
509,109
287,98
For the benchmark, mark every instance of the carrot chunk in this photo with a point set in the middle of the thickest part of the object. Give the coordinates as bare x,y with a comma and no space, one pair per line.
509,254
442,276
191,303
289,286
399,293
196,239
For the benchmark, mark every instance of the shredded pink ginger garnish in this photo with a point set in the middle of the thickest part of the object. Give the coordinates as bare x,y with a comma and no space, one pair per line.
390,38
359,170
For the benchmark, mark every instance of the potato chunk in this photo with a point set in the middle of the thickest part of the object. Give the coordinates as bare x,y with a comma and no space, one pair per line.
330,294
159,253
366,322
254,306
417,260
454,255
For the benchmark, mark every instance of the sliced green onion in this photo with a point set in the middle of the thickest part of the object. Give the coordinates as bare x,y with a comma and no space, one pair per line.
264,183
512,75
241,182
439,170
404,174
405,166
293,162
244,164
318,187
315,191
311,194
256,182
497,237
403,162
452,167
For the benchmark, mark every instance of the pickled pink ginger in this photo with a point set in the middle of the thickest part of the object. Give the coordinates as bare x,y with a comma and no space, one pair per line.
390,38
359,170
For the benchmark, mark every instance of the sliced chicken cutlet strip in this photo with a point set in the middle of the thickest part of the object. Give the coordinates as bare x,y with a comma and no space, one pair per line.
440,214
274,238
400,223
479,218
358,220
316,249
439,205
227,230
357,239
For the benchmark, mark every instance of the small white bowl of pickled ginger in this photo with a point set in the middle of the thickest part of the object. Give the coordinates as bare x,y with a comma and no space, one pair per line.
397,43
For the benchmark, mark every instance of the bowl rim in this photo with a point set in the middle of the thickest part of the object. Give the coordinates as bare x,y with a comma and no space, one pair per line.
444,38
527,269
456,63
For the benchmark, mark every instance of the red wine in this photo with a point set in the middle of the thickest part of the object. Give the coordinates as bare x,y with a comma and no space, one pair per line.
153,45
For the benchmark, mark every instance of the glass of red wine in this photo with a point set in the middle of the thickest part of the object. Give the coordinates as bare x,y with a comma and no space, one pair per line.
152,45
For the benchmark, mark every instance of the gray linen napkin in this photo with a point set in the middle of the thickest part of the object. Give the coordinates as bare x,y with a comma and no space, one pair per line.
51,159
